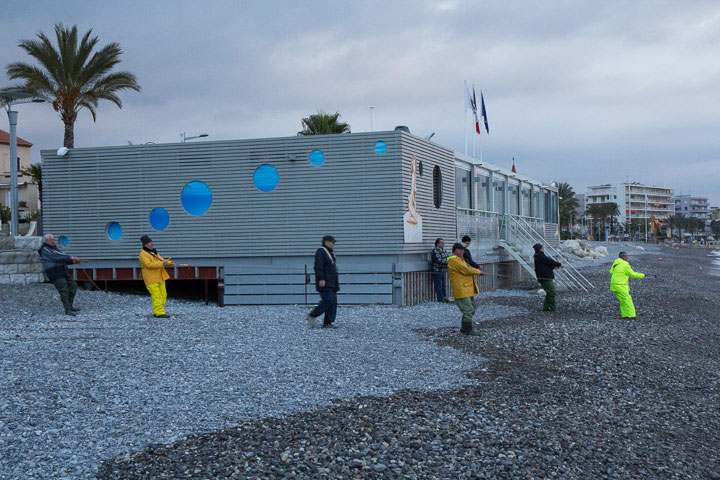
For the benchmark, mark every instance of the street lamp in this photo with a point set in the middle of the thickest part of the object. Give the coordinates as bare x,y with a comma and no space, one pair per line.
372,108
184,138
8,99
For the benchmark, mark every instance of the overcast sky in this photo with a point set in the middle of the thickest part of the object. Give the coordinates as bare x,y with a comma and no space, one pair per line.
584,92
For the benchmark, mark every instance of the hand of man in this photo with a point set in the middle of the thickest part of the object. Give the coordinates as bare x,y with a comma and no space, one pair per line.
75,259
168,263
321,283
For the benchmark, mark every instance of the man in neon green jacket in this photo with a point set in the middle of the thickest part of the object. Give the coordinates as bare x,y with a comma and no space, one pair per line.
621,271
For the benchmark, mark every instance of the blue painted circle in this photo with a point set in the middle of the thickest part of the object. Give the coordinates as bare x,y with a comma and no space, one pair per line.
380,147
114,231
317,158
159,218
266,178
64,241
196,198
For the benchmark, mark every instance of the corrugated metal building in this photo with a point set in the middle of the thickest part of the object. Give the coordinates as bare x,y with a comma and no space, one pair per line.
252,212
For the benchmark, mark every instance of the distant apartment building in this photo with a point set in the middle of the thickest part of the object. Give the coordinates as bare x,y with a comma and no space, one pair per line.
635,201
690,206
714,213
27,191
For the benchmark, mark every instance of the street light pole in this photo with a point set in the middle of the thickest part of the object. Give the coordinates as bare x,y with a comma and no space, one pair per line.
371,117
184,138
10,98
12,117
646,217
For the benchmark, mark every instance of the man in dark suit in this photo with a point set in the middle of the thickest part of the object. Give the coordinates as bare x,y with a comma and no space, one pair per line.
326,283
544,267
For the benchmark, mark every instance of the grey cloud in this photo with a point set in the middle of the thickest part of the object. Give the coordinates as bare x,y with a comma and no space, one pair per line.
587,92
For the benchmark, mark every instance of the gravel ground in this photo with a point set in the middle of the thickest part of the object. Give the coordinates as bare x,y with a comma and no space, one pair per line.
75,391
577,394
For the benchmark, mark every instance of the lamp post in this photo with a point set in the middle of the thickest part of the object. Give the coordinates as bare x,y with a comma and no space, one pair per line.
646,217
10,98
372,108
184,138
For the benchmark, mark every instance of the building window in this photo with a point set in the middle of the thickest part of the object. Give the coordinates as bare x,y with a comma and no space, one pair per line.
482,192
266,178
113,231
159,218
525,202
462,187
499,195
196,198
437,186
513,199
317,158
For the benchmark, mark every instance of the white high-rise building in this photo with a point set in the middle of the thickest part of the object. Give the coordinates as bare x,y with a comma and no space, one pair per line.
635,201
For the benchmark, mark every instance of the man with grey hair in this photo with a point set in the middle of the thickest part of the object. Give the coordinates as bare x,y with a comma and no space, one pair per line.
55,263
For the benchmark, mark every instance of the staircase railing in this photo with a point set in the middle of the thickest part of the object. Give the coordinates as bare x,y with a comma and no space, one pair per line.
520,235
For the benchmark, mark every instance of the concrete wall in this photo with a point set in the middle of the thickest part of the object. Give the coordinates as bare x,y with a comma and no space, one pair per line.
19,260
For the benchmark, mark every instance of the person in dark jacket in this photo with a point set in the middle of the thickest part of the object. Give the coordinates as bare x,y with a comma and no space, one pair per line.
55,264
544,267
467,256
438,269
326,283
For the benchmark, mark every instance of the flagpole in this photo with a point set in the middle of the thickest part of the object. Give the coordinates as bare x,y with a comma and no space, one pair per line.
473,138
481,144
466,138
465,102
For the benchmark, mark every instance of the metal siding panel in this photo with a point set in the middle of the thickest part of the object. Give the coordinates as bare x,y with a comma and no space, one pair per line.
262,290
355,195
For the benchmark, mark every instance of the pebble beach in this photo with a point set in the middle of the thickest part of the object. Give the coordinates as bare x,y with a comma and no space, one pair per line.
251,392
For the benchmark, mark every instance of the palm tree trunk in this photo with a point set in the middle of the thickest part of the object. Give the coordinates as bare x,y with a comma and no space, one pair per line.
69,141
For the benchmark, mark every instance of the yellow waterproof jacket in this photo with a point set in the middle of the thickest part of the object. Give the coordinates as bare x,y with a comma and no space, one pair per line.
462,277
621,271
153,270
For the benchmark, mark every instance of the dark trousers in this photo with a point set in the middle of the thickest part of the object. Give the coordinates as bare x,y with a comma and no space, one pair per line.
440,284
549,303
327,305
67,288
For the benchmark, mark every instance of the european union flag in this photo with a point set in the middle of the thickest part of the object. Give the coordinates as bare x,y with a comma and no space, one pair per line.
484,113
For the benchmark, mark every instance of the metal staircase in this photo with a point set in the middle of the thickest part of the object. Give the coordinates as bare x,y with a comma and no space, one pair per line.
517,237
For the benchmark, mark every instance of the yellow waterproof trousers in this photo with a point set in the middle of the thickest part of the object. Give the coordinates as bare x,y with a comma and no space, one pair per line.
627,309
159,297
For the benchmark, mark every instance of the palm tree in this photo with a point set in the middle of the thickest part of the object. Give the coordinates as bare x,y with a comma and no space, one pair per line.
601,212
323,123
35,172
71,77
676,221
568,203
611,210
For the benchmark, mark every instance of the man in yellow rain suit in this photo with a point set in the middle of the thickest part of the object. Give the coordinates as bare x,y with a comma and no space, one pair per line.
464,286
154,275
621,271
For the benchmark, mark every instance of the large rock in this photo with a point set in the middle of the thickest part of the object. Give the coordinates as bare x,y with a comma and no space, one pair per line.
602,251
570,245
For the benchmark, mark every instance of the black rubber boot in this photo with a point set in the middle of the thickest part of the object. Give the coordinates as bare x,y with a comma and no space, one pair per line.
467,329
